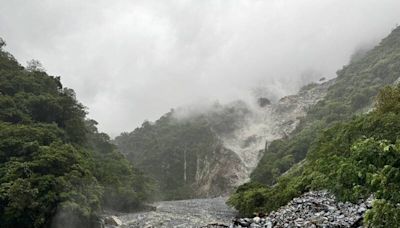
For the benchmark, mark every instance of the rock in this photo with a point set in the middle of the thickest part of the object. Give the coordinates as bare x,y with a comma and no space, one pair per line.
216,225
112,220
313,209
397,81
256,220
254,225
361,210
262,101
248,220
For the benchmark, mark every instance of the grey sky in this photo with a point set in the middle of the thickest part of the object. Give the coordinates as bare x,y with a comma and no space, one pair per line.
134,60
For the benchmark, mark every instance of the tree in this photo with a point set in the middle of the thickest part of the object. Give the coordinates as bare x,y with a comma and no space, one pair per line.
56,170
34,65
2,43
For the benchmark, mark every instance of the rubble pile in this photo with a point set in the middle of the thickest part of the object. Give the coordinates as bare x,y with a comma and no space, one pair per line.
313,209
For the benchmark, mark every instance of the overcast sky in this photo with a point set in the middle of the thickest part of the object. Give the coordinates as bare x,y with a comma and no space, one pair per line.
129,61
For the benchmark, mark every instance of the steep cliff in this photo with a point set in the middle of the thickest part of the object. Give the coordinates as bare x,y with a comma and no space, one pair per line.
264,124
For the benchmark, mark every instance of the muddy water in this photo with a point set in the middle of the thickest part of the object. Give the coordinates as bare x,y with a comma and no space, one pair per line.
182,213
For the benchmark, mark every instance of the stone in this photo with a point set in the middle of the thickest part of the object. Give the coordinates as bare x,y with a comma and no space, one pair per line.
256,219
313,209
254,225
112,220
262,101
361,210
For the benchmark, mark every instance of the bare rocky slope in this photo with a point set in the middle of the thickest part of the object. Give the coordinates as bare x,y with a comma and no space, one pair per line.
270,122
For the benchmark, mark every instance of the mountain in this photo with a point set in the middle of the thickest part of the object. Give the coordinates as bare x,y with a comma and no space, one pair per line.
347,143
353,92
56,169
209,152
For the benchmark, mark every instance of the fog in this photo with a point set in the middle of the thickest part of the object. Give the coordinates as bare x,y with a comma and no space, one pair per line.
131,61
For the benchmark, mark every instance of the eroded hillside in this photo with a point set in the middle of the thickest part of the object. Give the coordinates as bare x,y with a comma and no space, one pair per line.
210,153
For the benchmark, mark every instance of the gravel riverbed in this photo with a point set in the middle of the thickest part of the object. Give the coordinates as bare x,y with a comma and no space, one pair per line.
313,209
191,213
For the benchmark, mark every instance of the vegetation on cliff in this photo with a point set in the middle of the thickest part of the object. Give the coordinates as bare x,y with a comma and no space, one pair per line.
353,159
169,151
352,156
178,151
353,92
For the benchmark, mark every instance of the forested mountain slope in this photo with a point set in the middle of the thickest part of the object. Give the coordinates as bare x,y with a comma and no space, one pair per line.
199,153
185,156
351,156
353,92
56,169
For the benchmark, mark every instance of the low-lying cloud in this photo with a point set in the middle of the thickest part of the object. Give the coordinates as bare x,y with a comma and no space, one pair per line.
134,60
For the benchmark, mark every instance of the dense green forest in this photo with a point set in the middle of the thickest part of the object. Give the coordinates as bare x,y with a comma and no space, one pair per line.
347,152
56,169
161,150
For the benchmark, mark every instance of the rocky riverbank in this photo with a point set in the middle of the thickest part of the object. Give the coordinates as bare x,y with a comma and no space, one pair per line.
313,209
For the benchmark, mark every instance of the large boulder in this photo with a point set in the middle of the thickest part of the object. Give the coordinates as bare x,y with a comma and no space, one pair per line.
262,101
112,220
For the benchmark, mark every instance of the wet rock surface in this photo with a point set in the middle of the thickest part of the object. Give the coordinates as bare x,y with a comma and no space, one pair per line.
313,209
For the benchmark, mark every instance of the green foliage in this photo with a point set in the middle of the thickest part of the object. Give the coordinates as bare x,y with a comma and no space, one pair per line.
125,188
388,100
353,92
308,86
250,197
36,176
162,149
254,197
56,170
281,154
383,214
353,160
352,157
180,148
